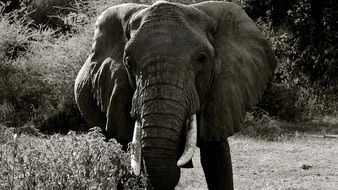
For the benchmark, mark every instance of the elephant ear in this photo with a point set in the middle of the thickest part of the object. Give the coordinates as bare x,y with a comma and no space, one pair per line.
244,62
109,79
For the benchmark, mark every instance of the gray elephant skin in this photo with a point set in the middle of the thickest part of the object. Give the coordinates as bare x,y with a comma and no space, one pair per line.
165,66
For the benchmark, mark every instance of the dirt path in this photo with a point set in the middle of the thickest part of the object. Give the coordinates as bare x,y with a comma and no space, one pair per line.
302,163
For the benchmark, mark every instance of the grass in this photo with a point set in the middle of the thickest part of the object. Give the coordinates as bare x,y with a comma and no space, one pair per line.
259,164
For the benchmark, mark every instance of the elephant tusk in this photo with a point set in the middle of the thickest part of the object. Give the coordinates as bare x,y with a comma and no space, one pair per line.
135,157
191,141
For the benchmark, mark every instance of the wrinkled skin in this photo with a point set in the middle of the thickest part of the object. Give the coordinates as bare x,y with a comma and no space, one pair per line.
160,64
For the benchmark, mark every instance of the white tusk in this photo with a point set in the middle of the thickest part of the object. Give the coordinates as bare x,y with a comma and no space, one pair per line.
135,157
191,141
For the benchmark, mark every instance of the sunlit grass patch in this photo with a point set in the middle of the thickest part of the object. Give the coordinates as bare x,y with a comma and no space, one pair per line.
260,164
298,163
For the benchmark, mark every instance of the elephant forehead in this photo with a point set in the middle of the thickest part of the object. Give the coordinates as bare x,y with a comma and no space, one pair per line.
171,37
168,26
166,40
166,11
169,13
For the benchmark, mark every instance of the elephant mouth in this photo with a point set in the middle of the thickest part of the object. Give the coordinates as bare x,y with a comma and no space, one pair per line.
189,148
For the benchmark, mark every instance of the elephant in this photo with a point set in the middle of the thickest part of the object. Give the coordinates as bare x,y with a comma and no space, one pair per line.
169,78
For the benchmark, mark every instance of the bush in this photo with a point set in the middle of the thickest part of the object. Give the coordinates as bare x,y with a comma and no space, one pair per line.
22,89
257,8
293,94
37,70
6,134
15,35
64,162
42,12
281,102
317,59
259,124
22,94
305,80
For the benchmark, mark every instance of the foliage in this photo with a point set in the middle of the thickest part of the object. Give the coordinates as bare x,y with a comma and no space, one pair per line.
257,8
314,64
64,162
22,88
305,81
259,124
6,134
37,69
282,102
317,60
42,12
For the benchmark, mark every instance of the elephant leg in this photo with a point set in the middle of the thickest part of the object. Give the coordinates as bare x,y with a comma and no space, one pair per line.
216,163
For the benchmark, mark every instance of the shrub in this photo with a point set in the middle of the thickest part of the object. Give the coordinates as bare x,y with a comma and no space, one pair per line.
64,162
306,68
259,124
10,5
15,35
257,8
48,12
22,94
281,102
303,86
37,69
293,95
22,89
317,59
6,134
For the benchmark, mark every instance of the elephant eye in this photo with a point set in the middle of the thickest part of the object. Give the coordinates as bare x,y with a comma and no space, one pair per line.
202,57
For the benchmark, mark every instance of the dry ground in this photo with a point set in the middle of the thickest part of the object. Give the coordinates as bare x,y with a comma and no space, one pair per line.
259,164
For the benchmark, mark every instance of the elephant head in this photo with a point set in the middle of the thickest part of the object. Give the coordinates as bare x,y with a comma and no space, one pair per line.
168,68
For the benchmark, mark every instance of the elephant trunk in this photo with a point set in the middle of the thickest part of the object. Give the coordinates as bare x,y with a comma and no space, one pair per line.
190,145
163,102
160,140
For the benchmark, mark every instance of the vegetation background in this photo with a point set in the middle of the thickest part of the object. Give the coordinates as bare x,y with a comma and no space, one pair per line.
43,44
